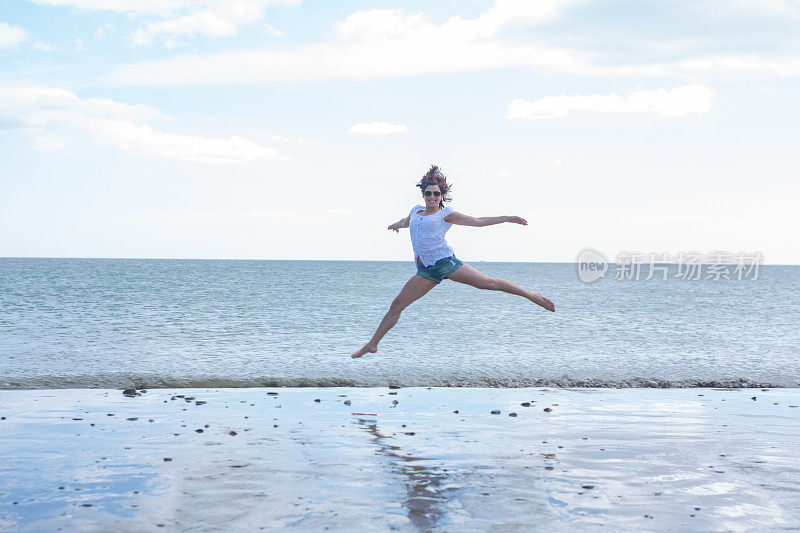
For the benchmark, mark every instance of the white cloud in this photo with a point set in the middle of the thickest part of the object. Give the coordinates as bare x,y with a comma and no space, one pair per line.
143,140
49,114
390,43
377,128
47,143
220,21
274,31
377,43
284,138
102,30
212,18
44,47
676,102
79,45
11,36
124,6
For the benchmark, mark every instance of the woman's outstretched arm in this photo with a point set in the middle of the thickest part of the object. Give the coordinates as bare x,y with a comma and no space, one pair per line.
465,220
402,223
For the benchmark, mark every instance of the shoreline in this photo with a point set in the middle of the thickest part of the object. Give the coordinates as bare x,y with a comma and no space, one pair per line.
153,382
693,459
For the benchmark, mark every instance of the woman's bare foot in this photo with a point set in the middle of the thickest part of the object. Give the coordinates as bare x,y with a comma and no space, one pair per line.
538,299
367,348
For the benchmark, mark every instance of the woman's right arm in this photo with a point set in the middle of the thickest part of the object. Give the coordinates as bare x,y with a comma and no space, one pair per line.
402,223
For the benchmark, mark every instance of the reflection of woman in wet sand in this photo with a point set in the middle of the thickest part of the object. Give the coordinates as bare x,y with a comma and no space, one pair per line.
435,259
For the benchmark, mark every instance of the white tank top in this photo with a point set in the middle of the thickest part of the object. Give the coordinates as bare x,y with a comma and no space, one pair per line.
427,234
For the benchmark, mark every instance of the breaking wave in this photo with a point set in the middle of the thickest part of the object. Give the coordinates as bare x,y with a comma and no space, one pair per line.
142,381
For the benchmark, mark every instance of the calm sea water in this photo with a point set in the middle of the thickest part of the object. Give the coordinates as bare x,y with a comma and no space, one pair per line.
210,323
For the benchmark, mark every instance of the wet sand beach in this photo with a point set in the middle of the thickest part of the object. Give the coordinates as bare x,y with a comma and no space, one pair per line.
406,459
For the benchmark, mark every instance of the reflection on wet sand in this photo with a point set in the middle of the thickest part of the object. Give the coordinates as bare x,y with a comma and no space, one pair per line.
426,496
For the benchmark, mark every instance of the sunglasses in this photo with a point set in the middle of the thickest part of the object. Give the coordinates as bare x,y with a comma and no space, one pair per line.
435,193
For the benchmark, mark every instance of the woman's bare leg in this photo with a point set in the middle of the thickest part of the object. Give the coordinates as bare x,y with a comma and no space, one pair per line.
468,275
414,289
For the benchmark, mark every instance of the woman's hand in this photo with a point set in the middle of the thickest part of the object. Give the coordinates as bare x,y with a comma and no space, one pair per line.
395,227
517,220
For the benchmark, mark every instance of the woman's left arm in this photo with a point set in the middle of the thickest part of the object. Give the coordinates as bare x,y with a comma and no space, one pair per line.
465,220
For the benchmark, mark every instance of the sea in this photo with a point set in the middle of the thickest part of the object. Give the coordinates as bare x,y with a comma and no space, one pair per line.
152,323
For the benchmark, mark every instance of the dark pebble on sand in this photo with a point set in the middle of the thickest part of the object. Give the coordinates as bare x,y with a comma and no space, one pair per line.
752,398
132,419
167,459
232,433
2,418
512,414
200,402
525,404
392,394
495,412
547,409
455,412
317,400
274,425
129,392
189,398
410,433
394,386
395,402
696,508
272,394
548,468
587,486
199,430
86,505
77,418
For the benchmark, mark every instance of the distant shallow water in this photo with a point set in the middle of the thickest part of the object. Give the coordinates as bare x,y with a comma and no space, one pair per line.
106,323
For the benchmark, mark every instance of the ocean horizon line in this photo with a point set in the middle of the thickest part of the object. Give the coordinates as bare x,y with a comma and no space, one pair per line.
337,260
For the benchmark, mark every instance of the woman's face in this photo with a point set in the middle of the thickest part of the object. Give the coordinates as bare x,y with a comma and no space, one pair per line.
432,200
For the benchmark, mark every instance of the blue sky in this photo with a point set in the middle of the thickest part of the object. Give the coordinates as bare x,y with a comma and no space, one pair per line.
293,129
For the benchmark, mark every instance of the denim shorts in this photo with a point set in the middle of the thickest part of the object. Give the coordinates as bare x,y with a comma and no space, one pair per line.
441,268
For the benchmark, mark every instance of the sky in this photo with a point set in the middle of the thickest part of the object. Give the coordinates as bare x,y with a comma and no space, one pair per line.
297,129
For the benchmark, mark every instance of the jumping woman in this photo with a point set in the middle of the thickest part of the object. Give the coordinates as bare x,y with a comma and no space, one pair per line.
435,259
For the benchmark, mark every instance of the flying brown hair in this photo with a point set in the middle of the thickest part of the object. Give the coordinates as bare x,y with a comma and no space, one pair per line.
435,177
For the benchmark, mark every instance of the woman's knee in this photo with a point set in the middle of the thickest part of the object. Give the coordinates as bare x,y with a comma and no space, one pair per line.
397,306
